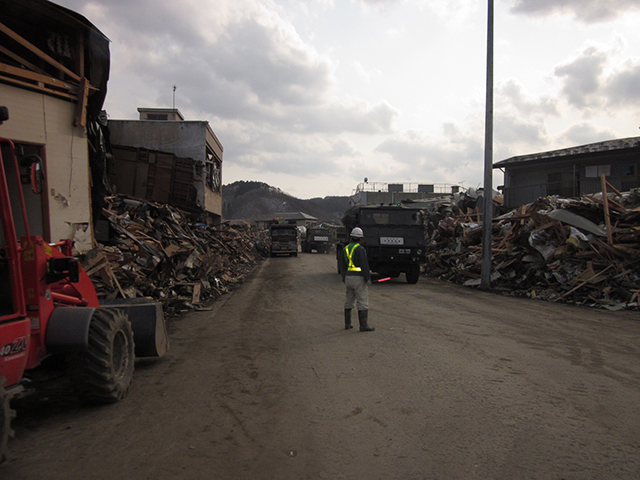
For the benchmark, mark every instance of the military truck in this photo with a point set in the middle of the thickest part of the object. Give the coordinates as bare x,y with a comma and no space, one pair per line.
319,239
393,238
284,239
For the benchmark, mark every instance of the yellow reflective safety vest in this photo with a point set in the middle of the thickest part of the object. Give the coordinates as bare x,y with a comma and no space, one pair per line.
349,254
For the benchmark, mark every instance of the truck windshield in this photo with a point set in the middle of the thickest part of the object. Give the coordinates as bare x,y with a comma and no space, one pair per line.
284,232
390,217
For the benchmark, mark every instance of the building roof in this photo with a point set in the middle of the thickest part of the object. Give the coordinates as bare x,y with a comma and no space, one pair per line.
286,216
599,147
172,111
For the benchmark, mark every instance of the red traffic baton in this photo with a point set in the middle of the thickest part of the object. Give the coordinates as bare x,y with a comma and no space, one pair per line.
383,279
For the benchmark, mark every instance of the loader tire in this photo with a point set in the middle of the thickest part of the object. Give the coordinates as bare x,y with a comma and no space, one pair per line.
102,374
6,415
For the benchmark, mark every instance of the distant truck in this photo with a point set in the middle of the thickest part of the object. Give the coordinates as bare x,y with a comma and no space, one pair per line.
284,239
319,239
393,238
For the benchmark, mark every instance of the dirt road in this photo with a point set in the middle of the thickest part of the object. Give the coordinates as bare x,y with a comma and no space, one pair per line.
453,384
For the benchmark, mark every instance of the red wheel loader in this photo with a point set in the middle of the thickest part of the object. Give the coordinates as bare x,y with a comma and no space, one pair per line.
49,306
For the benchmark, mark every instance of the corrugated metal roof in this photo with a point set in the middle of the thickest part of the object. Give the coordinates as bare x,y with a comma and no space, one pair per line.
607,146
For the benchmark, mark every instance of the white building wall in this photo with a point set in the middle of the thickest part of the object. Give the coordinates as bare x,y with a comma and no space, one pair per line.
48,121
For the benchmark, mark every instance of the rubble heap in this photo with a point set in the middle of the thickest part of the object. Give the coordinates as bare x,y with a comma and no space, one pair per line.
158,251
555,249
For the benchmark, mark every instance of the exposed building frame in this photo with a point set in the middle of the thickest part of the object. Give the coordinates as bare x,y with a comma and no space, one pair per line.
54,68
166,130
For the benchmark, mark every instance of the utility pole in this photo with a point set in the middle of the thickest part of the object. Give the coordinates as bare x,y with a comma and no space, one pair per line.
487,218
174,97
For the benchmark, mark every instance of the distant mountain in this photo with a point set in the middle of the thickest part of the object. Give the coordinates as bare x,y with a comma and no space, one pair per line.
250,200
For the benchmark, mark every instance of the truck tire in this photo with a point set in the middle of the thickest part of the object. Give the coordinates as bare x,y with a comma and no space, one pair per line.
413,274
102,374
6,415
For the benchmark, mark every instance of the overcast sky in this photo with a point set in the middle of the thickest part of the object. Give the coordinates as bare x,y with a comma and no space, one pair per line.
312,96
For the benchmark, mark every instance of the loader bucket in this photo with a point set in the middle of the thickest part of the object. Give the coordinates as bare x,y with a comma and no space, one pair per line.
147,322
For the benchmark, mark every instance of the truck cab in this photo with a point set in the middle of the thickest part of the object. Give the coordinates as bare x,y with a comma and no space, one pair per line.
319,239
284,239
393,238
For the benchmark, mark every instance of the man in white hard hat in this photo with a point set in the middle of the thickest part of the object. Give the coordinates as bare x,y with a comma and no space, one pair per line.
356,276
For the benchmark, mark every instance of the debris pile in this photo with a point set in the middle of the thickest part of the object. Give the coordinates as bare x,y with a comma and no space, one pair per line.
158,251
582,251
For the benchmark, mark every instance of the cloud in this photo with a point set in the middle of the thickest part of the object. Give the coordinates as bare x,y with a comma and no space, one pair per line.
515,130
436,160
274,70
622,88
378,3
511,95
254,67
272,79
586,11
298,155
592,82
354,117
585,133
519,117
361,72
343,149
254,63
582,79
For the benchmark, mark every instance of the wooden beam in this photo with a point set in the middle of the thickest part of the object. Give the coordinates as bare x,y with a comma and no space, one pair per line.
40,88
80,53
550,224
37,77
605,199
80,119
20,60
614,189
583,283
28,45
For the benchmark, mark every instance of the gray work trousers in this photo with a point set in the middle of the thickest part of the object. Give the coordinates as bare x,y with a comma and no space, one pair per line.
357,292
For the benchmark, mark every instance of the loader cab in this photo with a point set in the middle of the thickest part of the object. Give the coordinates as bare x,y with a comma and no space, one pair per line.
11,299
22,213
32,184
6,291
21,184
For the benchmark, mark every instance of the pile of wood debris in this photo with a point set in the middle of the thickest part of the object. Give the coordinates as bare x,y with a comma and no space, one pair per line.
582,251
158,251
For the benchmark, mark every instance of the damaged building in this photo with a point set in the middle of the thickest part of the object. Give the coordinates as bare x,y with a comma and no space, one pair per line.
571,172
54,68
164,158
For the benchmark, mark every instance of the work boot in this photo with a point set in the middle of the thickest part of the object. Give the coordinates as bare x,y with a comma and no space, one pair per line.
362,317
347,319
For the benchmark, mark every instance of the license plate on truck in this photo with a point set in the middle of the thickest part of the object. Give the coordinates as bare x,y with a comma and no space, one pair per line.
391,240
320,239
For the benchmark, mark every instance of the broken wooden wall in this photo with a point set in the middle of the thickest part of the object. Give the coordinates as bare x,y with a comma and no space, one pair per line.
153,175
